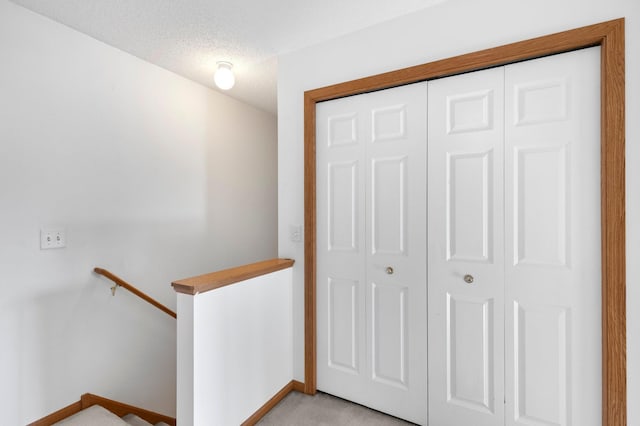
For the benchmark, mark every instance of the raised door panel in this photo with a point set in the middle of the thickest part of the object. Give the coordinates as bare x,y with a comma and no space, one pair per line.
540,178
552,198
389,205
389,123
343,325
341,130
389,337
541,359
469,207
470,353
466,250
342,209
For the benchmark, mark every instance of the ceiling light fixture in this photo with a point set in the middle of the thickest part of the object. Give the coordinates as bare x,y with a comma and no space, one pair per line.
224,77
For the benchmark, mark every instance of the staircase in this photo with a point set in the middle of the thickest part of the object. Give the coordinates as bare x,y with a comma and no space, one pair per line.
96,410
261,351
99,416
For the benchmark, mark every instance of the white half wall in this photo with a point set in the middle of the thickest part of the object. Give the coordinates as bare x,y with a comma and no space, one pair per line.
234,349
153,177
448,29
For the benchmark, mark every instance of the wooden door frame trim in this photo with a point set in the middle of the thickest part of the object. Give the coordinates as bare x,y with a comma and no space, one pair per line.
610,37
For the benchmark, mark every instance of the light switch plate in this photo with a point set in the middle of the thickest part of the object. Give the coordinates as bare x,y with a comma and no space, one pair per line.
295,233
52,238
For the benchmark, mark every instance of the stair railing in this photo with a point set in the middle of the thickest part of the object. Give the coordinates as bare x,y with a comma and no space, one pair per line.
119,282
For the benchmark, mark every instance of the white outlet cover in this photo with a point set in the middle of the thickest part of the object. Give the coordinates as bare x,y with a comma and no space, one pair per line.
52,238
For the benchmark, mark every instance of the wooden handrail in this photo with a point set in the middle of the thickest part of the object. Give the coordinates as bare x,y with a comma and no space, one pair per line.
122,283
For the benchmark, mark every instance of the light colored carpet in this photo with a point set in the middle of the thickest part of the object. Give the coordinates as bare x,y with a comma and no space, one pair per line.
94,415
297,409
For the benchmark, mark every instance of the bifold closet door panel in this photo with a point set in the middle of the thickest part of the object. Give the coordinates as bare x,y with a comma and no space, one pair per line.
371,250
466,249
553,275
341,246
396,215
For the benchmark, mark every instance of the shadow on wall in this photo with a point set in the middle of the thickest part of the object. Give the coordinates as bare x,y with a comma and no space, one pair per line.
241,183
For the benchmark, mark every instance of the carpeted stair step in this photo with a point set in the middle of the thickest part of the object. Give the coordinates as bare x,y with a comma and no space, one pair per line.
99,416
134,420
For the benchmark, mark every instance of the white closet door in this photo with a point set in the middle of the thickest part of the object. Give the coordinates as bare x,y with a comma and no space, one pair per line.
466,250
371,250
553,321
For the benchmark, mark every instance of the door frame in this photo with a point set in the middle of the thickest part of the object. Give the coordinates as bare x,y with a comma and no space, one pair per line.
610,37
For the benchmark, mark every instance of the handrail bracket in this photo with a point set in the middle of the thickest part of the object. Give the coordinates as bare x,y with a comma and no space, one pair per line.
119,282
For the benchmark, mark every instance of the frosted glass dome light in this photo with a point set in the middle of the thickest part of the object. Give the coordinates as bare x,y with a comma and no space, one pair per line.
224,77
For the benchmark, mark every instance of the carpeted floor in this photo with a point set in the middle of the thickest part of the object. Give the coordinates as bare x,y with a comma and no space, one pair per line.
297,409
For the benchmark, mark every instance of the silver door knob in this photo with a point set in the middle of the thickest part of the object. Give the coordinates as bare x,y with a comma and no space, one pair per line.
468,279
389,270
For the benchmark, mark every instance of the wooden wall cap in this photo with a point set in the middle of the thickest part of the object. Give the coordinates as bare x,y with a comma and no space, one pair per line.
214,280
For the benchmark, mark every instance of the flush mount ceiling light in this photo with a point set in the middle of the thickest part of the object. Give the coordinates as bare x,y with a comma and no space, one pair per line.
224,77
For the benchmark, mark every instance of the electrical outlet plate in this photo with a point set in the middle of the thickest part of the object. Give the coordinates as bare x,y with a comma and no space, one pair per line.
52,238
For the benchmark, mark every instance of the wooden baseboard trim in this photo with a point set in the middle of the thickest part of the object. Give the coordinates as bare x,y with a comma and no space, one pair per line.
61,414
121,409
118,408
298,386
293,385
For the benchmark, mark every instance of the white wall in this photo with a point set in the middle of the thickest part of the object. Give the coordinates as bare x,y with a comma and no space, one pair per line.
235,349
153,176
449,29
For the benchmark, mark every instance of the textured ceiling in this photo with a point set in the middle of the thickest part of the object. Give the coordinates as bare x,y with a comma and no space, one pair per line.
189,36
